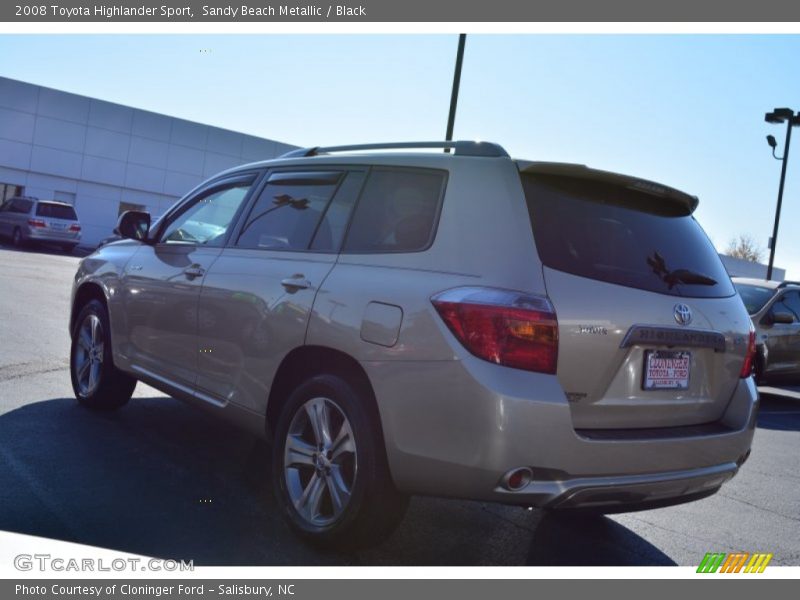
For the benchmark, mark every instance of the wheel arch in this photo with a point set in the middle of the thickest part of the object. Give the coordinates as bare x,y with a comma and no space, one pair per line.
87,292
307,361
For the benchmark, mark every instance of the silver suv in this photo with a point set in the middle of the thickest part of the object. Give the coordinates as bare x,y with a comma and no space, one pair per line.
452,324
26,220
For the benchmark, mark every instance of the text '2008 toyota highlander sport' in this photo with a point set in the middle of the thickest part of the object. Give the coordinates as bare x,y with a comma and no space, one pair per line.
461,325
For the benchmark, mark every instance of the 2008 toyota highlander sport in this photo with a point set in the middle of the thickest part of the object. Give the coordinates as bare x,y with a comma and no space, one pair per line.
454,324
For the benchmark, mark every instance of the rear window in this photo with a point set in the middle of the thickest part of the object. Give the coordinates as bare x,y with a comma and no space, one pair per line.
754,296
56,211
621,236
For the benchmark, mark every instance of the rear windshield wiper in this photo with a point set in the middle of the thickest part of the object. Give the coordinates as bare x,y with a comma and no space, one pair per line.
676,276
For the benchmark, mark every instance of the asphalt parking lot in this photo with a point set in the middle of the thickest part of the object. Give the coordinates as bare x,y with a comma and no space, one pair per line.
161,479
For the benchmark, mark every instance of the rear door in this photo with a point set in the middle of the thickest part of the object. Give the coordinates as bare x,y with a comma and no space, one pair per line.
16,215
257,296
651,332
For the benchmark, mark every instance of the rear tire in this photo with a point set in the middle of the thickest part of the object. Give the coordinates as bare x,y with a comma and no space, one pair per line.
16,238
97,383
68,248
329,469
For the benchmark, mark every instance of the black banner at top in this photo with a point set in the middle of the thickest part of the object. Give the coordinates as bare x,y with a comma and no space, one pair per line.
473,11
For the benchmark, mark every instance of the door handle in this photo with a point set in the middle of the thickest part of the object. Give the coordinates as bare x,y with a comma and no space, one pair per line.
194,271
296,282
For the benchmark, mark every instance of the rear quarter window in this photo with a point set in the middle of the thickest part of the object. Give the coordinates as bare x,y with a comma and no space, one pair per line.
622,236
397,211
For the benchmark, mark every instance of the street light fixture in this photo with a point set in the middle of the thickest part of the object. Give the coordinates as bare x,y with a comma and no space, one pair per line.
777,116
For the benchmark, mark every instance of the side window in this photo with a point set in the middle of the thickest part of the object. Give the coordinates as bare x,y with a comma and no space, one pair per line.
331,230
789,303
209,217
21,206
288,213
397,211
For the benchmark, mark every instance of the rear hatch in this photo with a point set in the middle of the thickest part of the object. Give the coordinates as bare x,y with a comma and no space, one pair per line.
56,218
651,331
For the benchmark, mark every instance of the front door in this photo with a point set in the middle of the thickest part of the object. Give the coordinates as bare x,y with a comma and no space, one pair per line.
162,281
784,338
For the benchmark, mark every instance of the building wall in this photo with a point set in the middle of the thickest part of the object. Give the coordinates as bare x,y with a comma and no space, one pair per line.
744,268
98,155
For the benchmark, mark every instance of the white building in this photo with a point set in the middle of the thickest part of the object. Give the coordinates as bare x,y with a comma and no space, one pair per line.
106,158
738,267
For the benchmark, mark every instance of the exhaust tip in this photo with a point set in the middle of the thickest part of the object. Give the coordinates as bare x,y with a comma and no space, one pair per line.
517,478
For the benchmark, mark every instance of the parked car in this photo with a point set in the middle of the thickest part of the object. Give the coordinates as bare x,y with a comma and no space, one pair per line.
26,220
774,307
461,325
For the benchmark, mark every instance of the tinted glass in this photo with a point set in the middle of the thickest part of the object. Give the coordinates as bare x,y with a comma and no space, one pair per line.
56,211
334,224
209,218
21,206
288,212
621,236
754,296
397,211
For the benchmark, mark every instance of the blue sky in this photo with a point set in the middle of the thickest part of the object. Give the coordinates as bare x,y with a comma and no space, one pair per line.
686,110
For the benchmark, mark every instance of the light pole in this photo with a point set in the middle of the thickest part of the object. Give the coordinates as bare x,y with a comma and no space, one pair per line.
451,119
779,115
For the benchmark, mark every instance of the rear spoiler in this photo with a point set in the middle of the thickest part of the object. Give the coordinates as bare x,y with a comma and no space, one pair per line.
634,183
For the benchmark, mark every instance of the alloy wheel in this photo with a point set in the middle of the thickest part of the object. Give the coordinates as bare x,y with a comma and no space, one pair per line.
320,463
89,348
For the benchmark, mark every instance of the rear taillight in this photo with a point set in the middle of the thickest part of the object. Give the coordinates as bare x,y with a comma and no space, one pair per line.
750,357
36,223
504,327
75,227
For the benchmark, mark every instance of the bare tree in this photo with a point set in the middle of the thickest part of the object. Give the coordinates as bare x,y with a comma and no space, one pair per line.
744,246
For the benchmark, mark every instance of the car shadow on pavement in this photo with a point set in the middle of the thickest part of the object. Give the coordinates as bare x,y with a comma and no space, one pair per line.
161,479
573,540
780,410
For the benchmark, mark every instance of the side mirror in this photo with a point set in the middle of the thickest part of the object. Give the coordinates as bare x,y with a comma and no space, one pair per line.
133,225
783,318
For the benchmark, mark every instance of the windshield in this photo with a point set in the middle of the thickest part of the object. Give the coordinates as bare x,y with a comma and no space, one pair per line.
622,236
754,296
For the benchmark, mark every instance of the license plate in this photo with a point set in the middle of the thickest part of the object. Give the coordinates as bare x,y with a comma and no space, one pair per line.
666,370
58,226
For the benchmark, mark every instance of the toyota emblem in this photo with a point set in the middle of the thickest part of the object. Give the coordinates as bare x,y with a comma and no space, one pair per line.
683,314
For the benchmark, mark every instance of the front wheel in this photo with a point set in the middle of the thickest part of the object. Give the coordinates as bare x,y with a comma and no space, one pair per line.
97,383
329,469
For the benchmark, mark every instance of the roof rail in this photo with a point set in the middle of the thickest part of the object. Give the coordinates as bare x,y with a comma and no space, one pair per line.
462,148
784,284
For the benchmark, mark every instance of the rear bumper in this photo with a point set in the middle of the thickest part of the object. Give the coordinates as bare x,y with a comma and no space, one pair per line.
58,237
622,493
455,428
